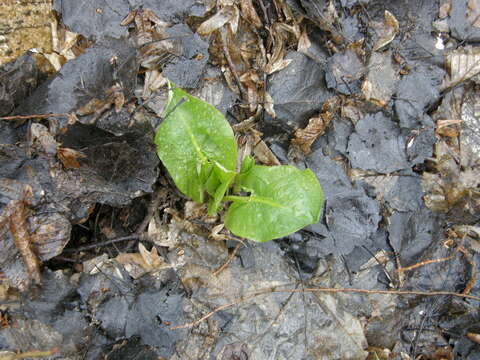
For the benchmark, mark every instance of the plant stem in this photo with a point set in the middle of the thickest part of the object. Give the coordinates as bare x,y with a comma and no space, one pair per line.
237,198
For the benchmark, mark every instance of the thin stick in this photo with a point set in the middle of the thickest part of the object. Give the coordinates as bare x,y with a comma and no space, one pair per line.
105,243
229,260
37,116
324,290
426,262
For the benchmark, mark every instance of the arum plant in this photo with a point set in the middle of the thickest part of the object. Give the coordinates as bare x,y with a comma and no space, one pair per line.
197,146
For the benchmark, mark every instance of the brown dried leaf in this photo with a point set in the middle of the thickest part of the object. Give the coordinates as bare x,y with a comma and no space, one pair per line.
154,80
194,210
250,14
69,157
473,13
91,107
386,30
133,263
268,105
304,42
18,225
162,234
444,10
462,64
40,135
215,233
261,151
215,22
252,83
277,66
304,138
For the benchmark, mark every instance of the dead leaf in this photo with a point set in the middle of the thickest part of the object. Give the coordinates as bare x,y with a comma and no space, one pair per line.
444,10
304,138
473,13
215,22
40,135
261,151
252,83
386,30
154,80
167,235
268,105
69,157
303,42
250,14
215,233
277,66
143,262
194,210
16,214
462,64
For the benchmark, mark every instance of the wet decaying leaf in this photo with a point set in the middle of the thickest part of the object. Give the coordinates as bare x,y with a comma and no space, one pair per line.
17,80
345,72
17,214
381,80
69,157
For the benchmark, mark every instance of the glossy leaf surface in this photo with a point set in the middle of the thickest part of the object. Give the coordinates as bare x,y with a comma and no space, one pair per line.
282,200
193,139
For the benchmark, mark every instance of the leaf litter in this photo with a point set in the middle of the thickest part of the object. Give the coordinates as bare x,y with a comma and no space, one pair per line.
392,139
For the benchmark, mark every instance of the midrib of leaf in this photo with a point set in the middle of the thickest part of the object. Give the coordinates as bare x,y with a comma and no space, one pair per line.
202,156
258,199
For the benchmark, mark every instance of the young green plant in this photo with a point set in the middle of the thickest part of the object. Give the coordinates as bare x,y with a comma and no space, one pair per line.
197,146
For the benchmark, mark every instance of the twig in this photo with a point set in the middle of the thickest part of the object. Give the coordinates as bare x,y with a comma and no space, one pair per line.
37,116
426,262
31,354
229,260
106,243
324,290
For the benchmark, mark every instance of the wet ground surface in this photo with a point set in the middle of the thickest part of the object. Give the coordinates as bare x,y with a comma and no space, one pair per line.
102,258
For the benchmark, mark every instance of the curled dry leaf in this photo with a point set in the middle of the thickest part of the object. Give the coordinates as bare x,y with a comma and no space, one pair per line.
386,30
69,157
154,80
250,14
216,234
268,105
163,234
304,138
304,42
462,65
261,151
138,264
40,135
252,83
215,22
16,214
194,210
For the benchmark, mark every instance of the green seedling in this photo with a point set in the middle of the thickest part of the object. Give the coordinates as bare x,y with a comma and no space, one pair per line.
197,146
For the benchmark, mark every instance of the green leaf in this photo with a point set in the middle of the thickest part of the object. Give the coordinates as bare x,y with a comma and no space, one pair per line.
247,163
282,200
194,139
217,185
